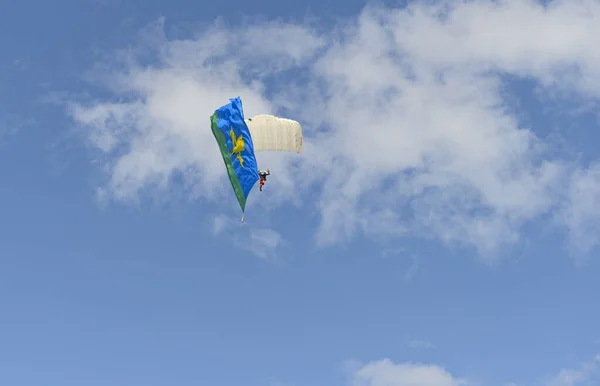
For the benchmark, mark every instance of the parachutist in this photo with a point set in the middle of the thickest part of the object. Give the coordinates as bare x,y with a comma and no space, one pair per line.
263,177
238,139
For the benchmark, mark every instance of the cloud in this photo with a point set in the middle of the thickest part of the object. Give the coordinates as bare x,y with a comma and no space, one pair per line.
581,212
387,373
419,344
155,135
11,125
264,243
407,130
577,377
413,268
220,223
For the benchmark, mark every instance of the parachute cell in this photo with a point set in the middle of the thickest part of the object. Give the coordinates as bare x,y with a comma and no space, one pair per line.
270,133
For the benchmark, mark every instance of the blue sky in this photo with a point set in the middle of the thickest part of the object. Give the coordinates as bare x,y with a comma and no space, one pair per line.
440,228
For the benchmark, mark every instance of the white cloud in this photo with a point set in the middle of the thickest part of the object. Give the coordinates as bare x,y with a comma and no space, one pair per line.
11,125
387,373
220,223
582,210
419,344
264,243
412,269
577,377
403,110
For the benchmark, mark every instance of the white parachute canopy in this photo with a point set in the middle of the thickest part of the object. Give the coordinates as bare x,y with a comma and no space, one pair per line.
270,133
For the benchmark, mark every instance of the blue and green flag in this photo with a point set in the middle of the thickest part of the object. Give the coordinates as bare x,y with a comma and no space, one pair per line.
233,136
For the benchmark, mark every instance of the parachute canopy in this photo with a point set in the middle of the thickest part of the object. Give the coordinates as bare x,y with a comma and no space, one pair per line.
271,133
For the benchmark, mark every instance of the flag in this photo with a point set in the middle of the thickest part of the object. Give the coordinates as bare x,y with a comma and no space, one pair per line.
235,143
